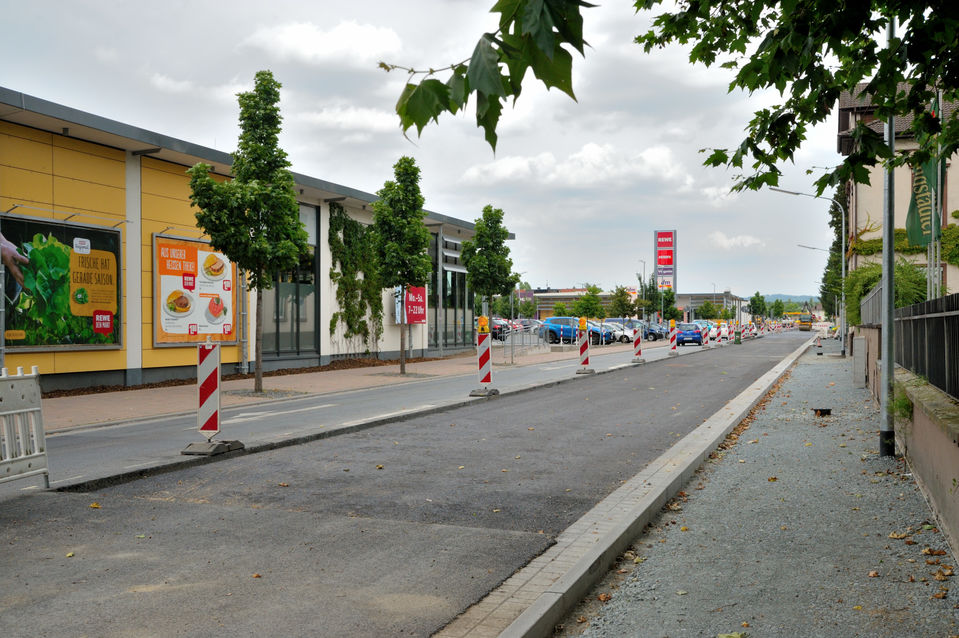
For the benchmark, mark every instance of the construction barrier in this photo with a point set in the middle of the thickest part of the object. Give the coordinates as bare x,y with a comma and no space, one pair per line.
583,340
638,346
208,389
483,358
672,338
23,447
706,337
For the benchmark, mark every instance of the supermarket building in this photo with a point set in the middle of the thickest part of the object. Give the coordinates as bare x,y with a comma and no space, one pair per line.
113,202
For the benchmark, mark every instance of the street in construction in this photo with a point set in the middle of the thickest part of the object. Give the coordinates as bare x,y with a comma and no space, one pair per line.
391,530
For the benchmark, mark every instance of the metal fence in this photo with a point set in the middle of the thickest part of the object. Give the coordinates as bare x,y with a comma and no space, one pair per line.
870,308
926,341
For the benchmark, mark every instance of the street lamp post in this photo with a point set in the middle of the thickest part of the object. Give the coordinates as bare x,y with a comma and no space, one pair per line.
642,287
842,208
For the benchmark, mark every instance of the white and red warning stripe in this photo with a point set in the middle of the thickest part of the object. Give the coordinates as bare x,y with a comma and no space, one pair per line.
637,343
584,348
672,339
208,389
483,357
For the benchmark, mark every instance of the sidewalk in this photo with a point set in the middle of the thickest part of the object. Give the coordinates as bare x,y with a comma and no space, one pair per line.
796,528
121,406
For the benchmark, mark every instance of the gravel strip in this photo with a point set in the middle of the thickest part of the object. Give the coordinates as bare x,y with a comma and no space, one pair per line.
793,530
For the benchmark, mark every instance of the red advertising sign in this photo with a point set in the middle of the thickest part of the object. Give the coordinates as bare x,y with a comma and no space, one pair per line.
664,258
665,248
416,304
664,239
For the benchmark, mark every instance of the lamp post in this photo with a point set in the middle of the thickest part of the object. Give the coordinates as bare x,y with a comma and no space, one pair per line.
842,208
642,287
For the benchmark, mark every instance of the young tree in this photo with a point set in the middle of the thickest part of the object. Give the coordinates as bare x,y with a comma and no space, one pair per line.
401,238
809,52
757,305
254,218
777,309
560,310
589,305
620,304
831,288
527,308
489,270
707,310
670,311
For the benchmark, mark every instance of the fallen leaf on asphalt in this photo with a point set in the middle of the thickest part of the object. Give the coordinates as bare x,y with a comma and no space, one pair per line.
530,429
495,511
911,542
911,579
504,470
95,506
755,441
874,574
735,634
379,467
604,597
141,535
283,484
684,529
257,576
772,479
941,576
581,619
898,535
461,467
933,552
932,561
808,444
741,461
947,570
622,571
681,592
69,554
784,528
939,595
639,559
857,607
517,456
832,383
745,624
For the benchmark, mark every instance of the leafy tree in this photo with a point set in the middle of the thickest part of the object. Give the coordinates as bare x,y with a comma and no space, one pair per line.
650,292
909,286
670,311
807,50
559,309
757,305
726,314
707,310
777,309
489,270
254,218
400,236
589,305
499,306
527,308
620,304
792,306
831,286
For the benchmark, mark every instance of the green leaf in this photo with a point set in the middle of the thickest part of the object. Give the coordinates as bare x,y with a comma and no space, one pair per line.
488,110
422,103
483,73
556,70
538,24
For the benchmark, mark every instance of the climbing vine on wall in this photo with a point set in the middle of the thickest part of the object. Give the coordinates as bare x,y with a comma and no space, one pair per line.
950,245
358,291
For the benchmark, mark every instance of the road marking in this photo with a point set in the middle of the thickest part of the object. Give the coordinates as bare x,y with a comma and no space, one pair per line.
130,467
622,365
387,415
252,416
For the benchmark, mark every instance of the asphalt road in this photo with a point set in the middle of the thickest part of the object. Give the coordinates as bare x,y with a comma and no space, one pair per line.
389,531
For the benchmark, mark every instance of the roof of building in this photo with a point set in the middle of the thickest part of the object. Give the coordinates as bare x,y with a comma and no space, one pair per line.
37,113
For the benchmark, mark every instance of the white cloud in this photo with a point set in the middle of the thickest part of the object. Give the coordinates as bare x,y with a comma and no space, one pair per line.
166,84
351,118
351,43
719,196
721,240
591,165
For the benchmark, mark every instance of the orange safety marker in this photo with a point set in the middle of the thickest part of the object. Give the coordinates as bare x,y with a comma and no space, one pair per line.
583,336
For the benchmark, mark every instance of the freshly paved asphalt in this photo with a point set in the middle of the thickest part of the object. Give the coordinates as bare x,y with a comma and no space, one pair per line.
392,530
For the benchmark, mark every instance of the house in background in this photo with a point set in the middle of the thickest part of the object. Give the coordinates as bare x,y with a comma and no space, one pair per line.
864,206
113,201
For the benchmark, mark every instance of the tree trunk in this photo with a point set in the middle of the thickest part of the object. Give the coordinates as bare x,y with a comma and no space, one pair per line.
402,322
258,350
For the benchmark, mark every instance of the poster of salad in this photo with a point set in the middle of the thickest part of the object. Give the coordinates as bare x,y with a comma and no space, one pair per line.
193,293
63,290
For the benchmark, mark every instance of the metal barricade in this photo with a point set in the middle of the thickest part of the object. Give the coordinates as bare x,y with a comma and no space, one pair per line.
23,447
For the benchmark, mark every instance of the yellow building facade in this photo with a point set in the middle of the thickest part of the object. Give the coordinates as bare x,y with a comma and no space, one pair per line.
114,201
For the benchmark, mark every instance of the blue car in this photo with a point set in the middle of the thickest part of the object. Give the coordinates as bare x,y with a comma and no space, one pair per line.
688,333
564,329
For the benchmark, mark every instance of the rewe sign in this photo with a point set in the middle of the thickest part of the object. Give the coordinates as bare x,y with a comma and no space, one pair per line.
664,246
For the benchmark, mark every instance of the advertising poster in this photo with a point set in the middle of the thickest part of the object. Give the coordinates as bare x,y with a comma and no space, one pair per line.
63,291
414,310
194,294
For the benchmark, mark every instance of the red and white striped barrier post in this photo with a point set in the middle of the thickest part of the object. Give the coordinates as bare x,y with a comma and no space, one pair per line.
208,403
584,348
706,337
672,338
638,345
208,390
484,361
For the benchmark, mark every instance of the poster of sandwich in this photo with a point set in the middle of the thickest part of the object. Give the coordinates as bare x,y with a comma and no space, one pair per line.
194,293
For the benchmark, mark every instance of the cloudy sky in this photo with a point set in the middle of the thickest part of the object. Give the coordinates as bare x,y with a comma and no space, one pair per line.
583,184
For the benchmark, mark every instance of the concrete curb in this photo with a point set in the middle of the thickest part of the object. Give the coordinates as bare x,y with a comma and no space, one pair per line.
634,505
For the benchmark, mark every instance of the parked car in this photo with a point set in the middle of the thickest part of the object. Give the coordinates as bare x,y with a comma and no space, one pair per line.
600,333
557,329
662,330
630,324
620,332
499,328
688,333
